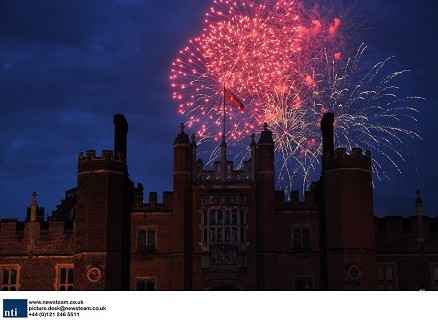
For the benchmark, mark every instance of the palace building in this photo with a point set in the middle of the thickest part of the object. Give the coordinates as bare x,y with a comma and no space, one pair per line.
221,228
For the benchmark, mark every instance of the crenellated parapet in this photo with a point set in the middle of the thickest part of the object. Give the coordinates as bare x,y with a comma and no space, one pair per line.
357,159
310,202
107,161
153,204
21,229
36,237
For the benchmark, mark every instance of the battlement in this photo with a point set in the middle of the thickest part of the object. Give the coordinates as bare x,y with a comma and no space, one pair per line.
310,200
341,159
109,161
153,203
20,230
106,155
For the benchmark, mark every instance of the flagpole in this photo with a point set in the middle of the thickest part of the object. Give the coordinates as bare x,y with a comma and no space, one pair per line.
223,121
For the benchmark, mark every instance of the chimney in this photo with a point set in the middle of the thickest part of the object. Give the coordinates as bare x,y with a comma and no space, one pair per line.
33,207
120,134
328,149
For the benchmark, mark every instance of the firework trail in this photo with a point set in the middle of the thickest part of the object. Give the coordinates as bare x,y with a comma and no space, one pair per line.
289,64
368,113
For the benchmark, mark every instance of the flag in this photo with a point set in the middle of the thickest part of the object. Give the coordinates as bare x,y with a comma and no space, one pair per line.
232,100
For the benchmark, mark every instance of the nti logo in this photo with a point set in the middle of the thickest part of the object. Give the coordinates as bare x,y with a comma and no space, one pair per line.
14,308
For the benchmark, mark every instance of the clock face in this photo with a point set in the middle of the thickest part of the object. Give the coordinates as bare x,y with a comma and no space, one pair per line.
94,273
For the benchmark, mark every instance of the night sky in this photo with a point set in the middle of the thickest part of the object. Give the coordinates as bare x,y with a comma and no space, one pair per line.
66,67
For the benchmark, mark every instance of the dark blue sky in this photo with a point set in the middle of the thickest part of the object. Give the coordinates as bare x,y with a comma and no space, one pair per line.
67,66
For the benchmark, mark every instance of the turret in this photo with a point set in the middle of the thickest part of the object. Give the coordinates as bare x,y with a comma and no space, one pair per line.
101,211
348,215
181,243
265,181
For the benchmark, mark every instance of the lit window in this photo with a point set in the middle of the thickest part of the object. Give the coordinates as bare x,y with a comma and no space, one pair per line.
145,284
10,277
64,277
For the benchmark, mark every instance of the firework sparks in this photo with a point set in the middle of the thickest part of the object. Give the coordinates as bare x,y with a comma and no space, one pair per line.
289,65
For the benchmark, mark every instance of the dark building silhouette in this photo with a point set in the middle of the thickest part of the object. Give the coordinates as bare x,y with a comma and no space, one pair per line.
220,229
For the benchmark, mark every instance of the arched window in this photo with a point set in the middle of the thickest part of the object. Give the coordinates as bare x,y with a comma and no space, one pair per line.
64,277
9,277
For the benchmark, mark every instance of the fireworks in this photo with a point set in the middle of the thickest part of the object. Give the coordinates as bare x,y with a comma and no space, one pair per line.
288,63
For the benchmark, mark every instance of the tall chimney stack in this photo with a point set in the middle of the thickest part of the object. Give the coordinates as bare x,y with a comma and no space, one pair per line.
327,134
120,134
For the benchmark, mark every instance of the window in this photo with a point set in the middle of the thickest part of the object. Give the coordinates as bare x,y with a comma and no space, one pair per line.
303,283
223,232
219,217
145,284
227,217
234,234
151,238
223,225
234,217
64,277
212,217
301,238
10,277
386,276
146,238
142,238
